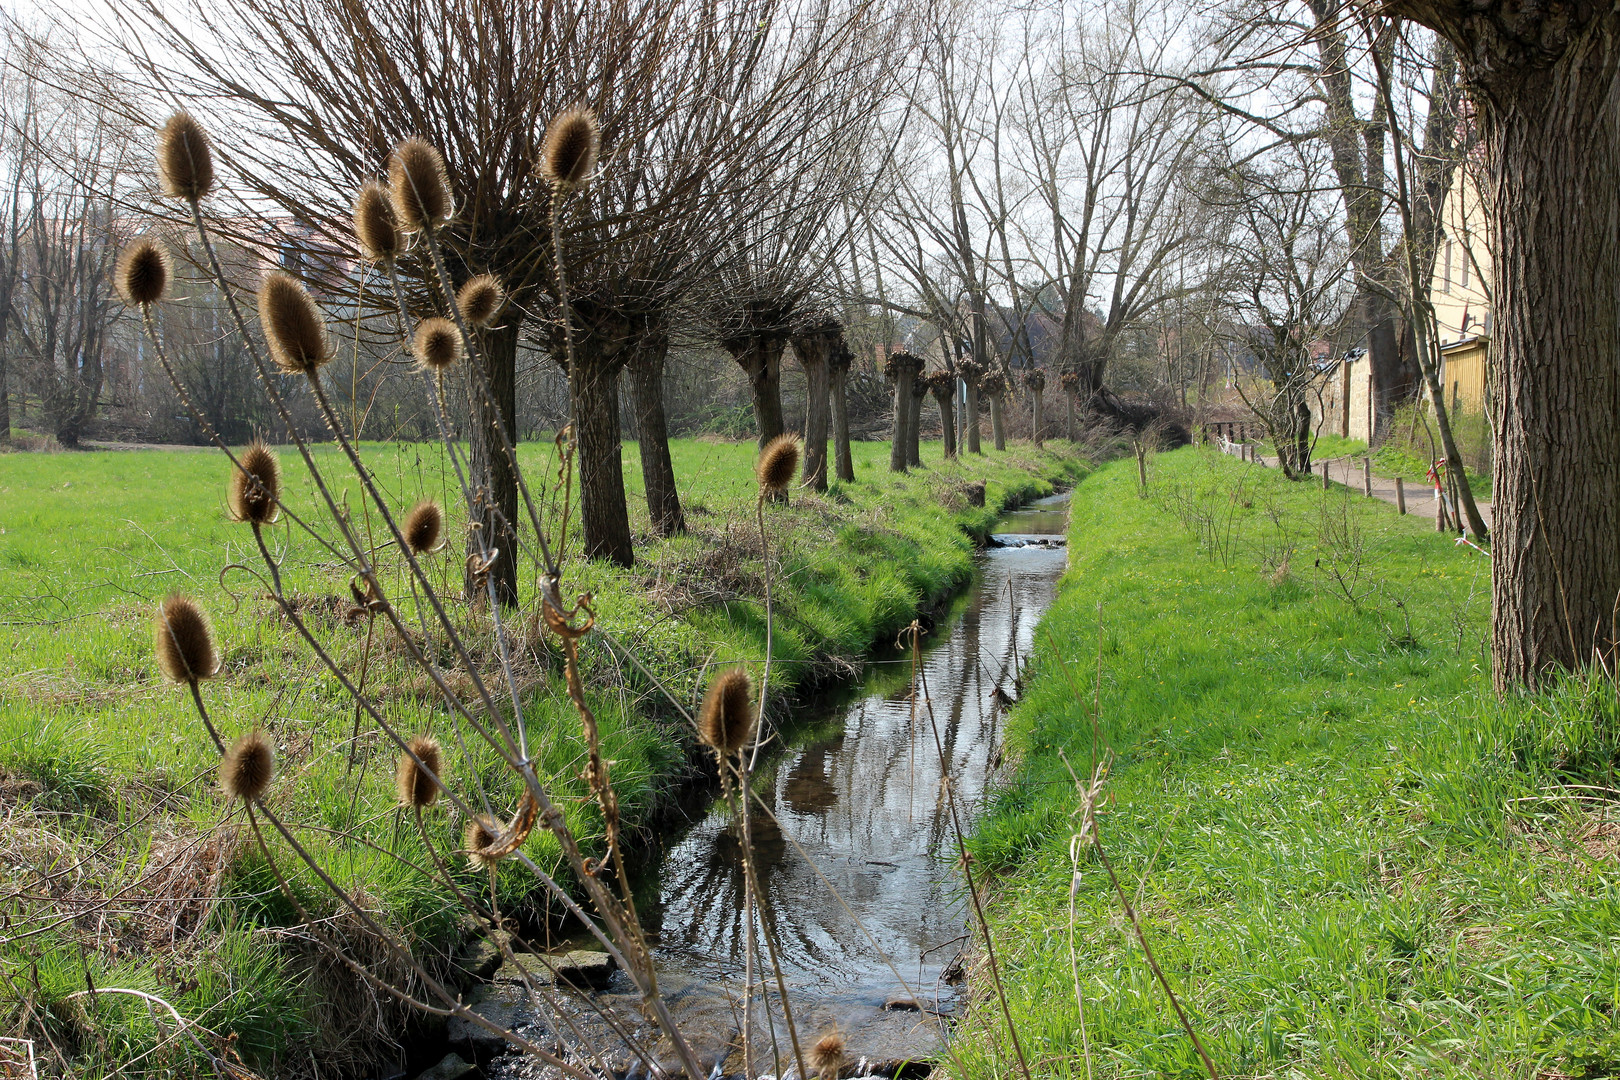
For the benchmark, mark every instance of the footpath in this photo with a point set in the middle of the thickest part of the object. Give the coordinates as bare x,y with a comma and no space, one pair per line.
1418,497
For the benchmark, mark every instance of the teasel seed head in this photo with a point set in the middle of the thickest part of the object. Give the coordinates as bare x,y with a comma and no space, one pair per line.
827,1055
293,326
247,768
419,185
727,718
480,299
416,789
185,159
423,526
142,274
375,225
255,486
481,832
569,152
778,463
437,344
183,641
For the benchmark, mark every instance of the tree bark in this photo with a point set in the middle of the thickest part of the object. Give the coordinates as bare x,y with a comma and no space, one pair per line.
1546,83
1037,419
947,417
760,356
593,390
652,431
493,479
900,435
914,424
838,372
970,427
998,429
812,351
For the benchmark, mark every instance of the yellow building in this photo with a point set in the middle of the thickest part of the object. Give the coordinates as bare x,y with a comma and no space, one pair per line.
1461,293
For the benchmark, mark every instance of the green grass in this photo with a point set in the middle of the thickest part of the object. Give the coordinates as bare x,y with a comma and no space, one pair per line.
106,776
1349,857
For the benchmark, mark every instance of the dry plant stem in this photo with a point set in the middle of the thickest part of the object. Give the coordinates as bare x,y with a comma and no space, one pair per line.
920,673
362,564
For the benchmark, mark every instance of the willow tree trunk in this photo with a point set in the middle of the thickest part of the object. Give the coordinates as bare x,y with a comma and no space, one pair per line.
760,356
843,462
593,389
970,426
947,422
900,435
998,429
812,351
1545,80
1068,416
914,425
652,429
494,479
1037,420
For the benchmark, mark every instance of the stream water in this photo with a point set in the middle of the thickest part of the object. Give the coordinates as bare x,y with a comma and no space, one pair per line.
857,856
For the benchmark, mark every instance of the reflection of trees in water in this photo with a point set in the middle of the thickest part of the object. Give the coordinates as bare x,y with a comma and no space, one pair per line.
870,793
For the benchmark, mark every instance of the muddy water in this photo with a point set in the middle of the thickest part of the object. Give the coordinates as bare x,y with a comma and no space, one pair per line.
857,857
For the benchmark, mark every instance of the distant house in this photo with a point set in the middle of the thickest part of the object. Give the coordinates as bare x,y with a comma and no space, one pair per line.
1460,290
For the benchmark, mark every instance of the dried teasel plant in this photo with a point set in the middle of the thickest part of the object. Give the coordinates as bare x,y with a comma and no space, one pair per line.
480,300
143,273
183,641
419,186
185,159
414,775
248,767
437,344
424,527
827,1055
255,491
726,720
777,465
375,225
294,328
573,140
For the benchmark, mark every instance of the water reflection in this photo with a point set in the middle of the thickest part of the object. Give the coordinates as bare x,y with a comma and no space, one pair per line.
861,795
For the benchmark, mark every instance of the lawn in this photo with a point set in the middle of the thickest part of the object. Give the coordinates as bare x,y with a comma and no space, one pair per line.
119,867
1349,858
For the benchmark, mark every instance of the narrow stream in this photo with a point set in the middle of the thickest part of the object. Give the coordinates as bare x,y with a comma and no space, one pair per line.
855,801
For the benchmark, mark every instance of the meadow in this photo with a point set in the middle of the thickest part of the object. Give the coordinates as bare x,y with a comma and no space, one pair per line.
121,865
1349,857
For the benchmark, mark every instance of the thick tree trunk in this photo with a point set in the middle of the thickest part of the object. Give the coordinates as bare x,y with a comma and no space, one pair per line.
652,433
900,436
947,420
812,351
1554,148
1037,421
998,428
593,389
760,355
493,479
914,424
1545,81
970,427
843,461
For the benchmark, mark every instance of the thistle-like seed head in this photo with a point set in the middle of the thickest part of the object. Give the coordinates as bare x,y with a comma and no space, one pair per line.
437,344
827,1055
419,185
247,768
185,159
480,833
375,225
255,486
142,274
411,781
572,142
183,641
423,526
480,299
778,463
726,719
293,326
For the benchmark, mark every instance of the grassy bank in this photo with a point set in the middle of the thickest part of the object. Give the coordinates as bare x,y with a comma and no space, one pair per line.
119,868
1348,857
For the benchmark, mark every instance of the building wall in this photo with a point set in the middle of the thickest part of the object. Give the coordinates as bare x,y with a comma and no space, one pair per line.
1347,401
1462,373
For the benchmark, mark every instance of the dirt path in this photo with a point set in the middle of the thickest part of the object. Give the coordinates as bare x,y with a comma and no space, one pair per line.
1342,470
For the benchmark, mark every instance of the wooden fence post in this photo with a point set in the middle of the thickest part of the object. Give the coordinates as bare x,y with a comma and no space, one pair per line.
1366,478
1324,475
1400,495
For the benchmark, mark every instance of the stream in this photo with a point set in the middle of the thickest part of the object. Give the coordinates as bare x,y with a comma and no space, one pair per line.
856,806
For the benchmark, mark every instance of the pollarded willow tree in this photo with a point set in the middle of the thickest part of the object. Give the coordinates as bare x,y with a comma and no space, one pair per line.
817,336
1545,83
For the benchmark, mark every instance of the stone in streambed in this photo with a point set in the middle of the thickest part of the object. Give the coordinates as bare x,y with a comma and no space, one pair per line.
451,1068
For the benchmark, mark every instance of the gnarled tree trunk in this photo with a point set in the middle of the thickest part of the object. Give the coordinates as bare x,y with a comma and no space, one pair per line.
760,356
998,427
493,479
593,391
838,375
813,348
919,390
943,386
652,429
